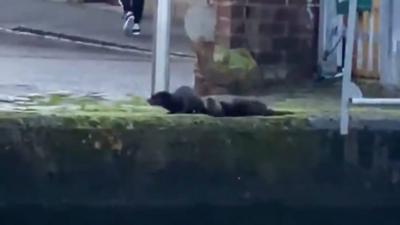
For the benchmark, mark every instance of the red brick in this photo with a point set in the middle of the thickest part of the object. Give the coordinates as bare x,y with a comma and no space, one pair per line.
272,29
269,57
276,31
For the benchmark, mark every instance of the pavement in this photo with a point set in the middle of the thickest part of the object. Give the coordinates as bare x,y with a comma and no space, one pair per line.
33,64
91,23
93,54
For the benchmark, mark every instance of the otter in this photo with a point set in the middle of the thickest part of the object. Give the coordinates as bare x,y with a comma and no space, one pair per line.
240,108
183,100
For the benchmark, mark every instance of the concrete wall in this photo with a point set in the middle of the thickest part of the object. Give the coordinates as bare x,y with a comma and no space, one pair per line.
173,161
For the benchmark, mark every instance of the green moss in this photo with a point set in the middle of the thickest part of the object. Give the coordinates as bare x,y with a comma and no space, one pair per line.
228,60
135,113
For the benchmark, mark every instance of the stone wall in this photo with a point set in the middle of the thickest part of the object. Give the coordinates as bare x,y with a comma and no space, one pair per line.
183,161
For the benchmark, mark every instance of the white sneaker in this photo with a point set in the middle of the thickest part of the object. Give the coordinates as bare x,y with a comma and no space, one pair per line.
136,29
129,22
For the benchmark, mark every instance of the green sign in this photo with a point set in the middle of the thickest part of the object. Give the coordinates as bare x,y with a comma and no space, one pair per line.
342,7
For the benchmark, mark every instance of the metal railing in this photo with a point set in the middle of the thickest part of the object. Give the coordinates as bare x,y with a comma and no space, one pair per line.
351,94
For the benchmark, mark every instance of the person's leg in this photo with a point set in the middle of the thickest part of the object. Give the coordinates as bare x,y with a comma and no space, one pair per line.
128,15
127,5
138,6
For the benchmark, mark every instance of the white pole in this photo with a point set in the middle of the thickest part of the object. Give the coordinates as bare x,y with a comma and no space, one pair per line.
154,50
376,101
346,80
161,48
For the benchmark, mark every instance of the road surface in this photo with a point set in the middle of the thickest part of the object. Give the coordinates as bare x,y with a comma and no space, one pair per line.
32,64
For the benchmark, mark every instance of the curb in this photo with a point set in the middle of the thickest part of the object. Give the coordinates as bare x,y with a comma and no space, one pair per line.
88,41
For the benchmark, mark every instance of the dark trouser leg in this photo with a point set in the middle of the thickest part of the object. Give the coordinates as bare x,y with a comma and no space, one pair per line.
127,5
138,6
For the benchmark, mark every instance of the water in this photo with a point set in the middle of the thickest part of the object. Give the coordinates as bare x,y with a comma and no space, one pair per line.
201,215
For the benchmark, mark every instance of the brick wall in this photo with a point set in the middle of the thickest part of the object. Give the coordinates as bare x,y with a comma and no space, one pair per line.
280,34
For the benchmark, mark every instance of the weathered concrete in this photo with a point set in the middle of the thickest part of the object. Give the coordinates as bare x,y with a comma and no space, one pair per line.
66,160
97,157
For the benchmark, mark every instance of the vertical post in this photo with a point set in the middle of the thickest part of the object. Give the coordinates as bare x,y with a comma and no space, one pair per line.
339,51
161,47
154,49
323,30
384,9
348,65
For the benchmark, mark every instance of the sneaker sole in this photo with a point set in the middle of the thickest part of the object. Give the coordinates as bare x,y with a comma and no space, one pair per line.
128,24
136,33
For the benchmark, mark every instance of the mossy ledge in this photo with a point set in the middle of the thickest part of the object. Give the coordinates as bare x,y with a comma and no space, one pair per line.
140,157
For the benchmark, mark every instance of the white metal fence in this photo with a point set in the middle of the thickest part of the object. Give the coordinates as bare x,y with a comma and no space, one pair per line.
388,58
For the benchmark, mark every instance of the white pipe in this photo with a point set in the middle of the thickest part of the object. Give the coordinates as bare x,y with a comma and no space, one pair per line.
376,101
161,49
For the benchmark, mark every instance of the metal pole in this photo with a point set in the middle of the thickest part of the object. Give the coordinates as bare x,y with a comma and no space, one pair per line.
323,30
346,81
161,47
153,58
351,95
376,101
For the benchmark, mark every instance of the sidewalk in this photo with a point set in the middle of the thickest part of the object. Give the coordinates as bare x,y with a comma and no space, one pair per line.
90,22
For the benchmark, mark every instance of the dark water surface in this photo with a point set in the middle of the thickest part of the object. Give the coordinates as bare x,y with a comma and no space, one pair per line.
201,215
